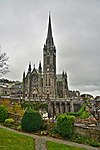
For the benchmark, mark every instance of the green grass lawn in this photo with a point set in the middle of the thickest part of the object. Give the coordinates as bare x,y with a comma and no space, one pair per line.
13,141
57,146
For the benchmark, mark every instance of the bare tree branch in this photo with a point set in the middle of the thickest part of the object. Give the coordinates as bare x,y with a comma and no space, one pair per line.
3,63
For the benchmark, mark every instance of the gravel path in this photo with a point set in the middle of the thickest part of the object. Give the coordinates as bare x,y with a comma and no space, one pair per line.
40,144
40,141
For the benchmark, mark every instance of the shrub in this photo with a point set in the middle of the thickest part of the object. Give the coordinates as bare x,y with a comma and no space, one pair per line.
3,113
41,106
85,114
65,125
82,113
19,128
81,110
9,121
6,102
27,105
31,121
44,127
35,105
79,138
16,109
95,144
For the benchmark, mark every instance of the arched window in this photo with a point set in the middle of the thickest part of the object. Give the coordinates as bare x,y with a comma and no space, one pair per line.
49,81
48,60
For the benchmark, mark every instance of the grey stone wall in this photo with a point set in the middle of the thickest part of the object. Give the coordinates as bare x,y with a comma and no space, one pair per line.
89,131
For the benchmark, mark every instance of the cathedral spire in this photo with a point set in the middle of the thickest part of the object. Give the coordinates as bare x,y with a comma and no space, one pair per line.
40,67
24,75
49,35
29,69
49,39
65,74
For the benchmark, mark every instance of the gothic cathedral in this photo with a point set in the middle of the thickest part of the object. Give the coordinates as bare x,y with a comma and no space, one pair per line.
44,83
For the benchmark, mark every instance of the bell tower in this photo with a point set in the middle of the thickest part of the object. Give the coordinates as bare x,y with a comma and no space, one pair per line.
49,64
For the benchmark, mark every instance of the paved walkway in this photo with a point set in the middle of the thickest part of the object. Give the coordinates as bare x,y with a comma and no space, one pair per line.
40,141
40,144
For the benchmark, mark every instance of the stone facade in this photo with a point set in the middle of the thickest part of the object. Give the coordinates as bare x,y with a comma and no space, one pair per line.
44,83
60,106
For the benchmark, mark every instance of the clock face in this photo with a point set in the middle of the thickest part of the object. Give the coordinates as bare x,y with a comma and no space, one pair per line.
34,79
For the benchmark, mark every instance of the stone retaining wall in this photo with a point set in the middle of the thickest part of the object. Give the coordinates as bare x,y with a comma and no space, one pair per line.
89,131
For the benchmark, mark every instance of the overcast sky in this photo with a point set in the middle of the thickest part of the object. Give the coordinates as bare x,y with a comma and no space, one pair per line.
76,33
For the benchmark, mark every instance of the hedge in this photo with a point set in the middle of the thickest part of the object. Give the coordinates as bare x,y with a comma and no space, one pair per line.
3,113
65,125
31,121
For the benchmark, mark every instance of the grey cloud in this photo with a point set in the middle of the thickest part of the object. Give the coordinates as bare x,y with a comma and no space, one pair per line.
76,32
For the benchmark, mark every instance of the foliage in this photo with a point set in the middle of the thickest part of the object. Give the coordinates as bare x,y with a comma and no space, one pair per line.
50,125
81,110
16,108
13,108
65,125
19,128
31,121
35,105
45,132
85,114
27,105
3,113
41,106
13,141
5,102
82,113
9,121
84,140
57,146
3,63
6,81
44,127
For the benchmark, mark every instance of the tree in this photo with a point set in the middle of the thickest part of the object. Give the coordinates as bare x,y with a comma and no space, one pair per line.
31,121
3,63
65,125
3,113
